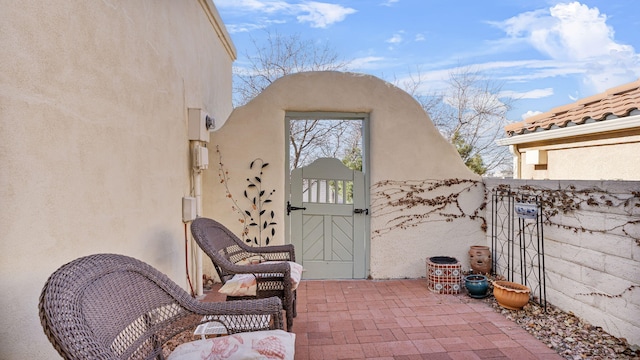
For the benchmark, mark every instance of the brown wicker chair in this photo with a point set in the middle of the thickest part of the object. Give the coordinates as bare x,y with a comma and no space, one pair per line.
108,306
226,250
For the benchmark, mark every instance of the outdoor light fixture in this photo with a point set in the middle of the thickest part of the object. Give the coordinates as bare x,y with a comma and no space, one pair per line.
210,123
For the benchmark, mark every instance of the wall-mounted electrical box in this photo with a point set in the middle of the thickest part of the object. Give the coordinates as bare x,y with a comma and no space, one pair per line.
188,209
197,127
201,157
536,157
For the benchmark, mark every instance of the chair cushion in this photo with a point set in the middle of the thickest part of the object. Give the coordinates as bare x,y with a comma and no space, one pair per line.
270,344
240,285
245,284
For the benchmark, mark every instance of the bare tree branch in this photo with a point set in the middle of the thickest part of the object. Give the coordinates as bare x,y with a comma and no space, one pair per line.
280,55
469,113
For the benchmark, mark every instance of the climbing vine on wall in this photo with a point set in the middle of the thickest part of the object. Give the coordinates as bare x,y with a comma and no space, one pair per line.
258,225
565,201
594,293
410,203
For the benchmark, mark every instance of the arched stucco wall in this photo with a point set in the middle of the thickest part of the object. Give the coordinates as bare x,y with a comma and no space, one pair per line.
406,152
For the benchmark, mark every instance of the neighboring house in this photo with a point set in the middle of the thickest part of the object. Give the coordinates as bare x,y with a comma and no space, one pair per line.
595,138
94,140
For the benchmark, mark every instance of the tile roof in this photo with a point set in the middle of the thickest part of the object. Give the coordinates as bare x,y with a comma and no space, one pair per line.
619,101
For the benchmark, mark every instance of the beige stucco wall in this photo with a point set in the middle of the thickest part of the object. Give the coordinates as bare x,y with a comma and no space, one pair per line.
612,156
93,139
404,147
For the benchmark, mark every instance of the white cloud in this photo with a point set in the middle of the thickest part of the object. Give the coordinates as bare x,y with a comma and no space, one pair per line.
321,15
367,62
530,113
238,28
578,36
508,71
264,6
579,33
532,94
419,37
389,2
317,14
570,31
395,39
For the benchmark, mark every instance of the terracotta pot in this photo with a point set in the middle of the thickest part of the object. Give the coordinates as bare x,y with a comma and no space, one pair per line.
511,295
480,259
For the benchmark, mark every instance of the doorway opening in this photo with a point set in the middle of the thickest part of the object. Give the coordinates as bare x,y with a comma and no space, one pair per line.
312,135
327,200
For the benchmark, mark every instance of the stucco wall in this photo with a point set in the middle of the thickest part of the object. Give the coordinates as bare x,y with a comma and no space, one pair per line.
406,150
93,139
591,247
592,160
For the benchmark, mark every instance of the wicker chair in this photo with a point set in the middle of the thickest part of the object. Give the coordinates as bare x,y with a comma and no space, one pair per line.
108,306
228,252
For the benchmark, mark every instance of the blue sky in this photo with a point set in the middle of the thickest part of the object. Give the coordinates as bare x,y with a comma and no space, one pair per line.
545,53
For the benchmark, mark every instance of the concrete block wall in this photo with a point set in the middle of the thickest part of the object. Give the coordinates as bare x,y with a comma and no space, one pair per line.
591,248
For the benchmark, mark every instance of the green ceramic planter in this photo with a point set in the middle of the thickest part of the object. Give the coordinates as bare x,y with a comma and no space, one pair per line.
477,285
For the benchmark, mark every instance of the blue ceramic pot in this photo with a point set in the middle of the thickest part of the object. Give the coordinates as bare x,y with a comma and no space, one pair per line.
477,285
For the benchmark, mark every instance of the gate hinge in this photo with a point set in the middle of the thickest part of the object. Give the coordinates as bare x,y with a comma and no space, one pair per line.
292,208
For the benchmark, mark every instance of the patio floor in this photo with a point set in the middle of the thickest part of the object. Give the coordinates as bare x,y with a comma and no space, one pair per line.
402,319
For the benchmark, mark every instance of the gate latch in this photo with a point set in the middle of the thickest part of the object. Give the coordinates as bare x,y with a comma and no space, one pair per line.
292,208
361,211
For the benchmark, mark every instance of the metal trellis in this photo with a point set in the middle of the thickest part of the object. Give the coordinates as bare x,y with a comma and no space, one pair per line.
517,240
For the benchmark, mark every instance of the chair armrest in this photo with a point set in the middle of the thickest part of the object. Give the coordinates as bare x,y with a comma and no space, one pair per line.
266,267
276,271
267,306
239,316
286,252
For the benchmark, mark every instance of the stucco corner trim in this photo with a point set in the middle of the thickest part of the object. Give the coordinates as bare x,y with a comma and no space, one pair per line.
216,21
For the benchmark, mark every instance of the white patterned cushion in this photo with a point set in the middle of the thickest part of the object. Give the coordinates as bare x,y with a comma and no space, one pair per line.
245,284
270,344
240,285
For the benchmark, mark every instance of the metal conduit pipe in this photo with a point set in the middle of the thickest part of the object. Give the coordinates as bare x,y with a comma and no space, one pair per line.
197,193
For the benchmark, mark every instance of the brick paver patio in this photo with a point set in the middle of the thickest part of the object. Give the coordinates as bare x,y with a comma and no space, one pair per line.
402,319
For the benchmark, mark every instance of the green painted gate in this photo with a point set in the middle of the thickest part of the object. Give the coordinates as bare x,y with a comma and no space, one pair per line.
328,220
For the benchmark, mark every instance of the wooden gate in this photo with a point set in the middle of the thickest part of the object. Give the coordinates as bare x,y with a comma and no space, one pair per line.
328,220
